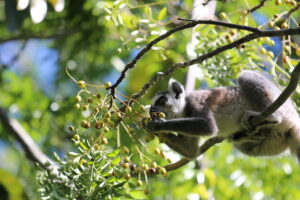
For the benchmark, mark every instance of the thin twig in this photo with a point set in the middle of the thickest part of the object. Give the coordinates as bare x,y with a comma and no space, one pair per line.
261,4
293,10
224,24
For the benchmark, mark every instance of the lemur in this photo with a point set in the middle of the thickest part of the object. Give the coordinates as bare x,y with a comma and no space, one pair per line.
227,111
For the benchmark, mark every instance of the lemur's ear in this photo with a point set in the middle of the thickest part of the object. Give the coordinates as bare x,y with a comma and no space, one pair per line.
175,88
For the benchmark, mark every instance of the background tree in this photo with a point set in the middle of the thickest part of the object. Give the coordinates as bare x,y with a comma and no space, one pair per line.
57,59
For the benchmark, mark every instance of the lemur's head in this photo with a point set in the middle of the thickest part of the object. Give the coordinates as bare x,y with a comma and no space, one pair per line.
171,102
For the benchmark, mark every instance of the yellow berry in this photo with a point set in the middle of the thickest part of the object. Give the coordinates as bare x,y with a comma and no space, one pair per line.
145,167
142,107
76,137
128,109
298,51
270,54
278,2
77,106
125,165
104,140
127,159
157,151
285,59
85,124
78,98
139,183
223,15
293,3
153,164
284,25
81,84
245,12
229,38
107,84
127,176
162,171
276,28
271,24
85,107
271,43
161,115
99,124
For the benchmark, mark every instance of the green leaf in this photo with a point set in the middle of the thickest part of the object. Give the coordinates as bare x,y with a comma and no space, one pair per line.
162,14
113,154
116,161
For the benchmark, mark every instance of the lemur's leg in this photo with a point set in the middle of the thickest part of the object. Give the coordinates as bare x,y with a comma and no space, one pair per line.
260,93
186,146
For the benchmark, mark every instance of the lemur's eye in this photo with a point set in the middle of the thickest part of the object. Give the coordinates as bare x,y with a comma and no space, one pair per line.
161,101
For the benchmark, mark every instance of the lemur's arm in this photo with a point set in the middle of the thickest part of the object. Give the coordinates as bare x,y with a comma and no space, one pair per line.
194,126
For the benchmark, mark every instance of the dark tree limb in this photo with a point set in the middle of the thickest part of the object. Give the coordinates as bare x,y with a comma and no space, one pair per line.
31,149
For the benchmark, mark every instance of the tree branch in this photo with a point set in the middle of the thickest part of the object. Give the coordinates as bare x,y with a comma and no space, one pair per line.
31,149
203,148
261,4
191,24
200,59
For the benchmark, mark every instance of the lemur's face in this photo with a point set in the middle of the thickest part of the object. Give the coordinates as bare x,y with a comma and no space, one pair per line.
170,102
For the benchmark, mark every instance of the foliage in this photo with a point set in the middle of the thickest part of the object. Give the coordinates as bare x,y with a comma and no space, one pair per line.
101,149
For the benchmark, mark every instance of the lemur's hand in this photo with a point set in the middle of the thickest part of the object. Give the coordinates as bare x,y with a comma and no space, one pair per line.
254,129
152,126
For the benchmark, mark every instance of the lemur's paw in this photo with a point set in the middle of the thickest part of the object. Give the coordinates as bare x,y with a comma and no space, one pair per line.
152,125
243,136
246,120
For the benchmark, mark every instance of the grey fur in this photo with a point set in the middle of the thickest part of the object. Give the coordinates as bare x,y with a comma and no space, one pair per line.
227,111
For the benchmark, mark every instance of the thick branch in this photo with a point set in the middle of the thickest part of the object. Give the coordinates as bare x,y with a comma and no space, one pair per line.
31,149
